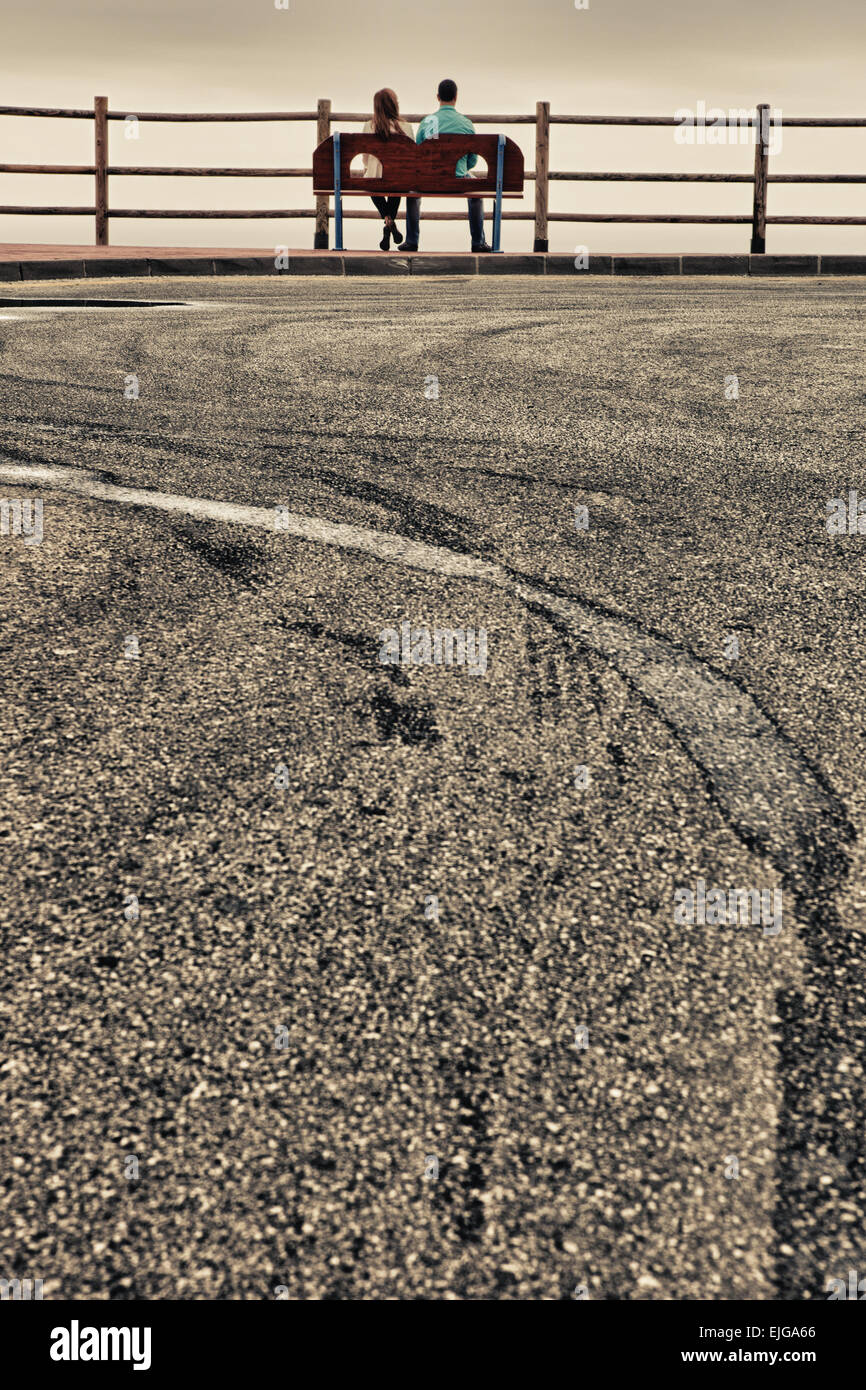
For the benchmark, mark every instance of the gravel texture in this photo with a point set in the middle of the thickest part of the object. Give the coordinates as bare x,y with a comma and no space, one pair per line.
308,1166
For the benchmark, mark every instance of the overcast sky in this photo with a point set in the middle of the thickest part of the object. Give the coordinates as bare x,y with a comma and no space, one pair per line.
618,56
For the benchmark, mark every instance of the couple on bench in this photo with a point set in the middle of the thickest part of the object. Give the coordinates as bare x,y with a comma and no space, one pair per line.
446,121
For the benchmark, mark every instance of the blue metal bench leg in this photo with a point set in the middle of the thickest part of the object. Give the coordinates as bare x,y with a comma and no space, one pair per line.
497,213
338,197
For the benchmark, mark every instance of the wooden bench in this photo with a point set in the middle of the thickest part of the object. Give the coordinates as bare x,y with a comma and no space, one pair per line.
418,171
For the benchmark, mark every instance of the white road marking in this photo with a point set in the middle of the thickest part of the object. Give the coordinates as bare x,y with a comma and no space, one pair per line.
768,793
26,312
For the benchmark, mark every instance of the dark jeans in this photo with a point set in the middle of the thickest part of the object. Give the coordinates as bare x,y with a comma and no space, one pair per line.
388,207
476,220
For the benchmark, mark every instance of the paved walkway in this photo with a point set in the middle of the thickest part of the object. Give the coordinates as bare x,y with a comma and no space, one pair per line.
63,262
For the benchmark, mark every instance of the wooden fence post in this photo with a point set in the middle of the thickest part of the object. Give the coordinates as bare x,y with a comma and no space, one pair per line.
323,130
759,203
542,166
100,136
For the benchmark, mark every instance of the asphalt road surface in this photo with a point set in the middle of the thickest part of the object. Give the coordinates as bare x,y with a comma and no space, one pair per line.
337,978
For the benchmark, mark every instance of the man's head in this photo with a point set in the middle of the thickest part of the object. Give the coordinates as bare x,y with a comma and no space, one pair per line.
447,92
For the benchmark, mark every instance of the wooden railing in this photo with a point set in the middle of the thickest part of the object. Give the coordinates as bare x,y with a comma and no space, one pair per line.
543,119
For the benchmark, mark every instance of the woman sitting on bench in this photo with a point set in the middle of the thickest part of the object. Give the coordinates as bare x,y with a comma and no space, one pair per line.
386,122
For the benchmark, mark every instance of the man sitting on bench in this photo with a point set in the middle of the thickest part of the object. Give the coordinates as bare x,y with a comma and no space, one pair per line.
447,121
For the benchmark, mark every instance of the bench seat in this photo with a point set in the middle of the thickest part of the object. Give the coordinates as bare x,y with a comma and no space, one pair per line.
418,171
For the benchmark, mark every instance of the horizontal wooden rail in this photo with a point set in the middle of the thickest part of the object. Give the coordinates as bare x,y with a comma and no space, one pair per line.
760,120
48,212
719,218
63,113
819,221
54,112
82,115
697,219
207,116
588,176
47,168
603,176
192,172
816,178
415,116
196,173
244,214
252,214
726,120
707,178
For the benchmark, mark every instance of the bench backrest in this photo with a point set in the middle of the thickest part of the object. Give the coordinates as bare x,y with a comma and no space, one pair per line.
427,168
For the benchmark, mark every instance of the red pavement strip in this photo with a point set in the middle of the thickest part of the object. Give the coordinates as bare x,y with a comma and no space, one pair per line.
20,261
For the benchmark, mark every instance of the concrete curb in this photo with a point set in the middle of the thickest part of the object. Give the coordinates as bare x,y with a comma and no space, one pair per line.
509,263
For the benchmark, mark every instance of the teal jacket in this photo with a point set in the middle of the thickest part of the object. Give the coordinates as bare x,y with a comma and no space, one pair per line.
447,121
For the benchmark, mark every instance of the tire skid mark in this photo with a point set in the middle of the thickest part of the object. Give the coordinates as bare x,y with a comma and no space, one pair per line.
780,807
